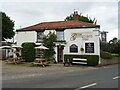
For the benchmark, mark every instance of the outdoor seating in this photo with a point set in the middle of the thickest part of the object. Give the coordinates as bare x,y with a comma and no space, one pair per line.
40,62
16,60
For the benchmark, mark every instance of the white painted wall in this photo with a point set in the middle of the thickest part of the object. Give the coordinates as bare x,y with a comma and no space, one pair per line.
81,43
26,36
31,36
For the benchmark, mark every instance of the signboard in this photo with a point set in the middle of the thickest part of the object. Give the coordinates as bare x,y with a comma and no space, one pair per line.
80,35
89,47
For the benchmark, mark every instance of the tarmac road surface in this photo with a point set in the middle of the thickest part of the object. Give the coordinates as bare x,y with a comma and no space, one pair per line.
105,77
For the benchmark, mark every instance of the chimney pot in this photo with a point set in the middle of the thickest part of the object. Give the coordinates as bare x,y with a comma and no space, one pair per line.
75,15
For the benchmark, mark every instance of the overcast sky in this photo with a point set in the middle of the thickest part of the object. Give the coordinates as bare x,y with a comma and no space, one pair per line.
29,13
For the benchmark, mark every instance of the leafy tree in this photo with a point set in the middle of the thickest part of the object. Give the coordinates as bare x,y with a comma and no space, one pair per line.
7,27
117,47
104,46
81,18
48,41
113,46
113,43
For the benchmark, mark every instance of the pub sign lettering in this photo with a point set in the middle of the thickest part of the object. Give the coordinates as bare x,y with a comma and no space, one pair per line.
89,47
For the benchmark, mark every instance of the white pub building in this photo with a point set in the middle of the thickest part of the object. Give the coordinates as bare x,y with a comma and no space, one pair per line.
73,37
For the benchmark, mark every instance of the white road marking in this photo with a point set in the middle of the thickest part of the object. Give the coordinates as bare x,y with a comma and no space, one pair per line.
86,86
116,77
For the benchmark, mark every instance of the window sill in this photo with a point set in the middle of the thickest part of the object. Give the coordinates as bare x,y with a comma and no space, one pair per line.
60,41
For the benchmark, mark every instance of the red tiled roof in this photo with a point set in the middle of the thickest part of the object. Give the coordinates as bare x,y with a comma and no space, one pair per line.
59,24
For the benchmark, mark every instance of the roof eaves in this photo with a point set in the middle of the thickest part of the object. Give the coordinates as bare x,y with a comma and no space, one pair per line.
60,27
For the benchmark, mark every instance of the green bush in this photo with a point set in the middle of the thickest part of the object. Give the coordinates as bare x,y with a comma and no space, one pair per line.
91,59
115,55
28,51
105,55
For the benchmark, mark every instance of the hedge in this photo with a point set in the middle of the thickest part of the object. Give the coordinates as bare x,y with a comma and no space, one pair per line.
28,51
115,55
105,55
92,60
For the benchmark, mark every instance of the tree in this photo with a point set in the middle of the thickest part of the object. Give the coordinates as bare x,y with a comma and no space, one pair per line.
48,41
81,18
105,46
7,27
113,44
117,47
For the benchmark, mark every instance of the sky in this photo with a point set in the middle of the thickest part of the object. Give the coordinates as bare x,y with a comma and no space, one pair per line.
26,13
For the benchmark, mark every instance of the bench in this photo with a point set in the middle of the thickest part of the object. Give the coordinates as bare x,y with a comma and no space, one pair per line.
79,61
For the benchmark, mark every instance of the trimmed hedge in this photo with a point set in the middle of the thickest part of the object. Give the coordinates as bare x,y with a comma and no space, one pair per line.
28,51
105,55
115,55
92,60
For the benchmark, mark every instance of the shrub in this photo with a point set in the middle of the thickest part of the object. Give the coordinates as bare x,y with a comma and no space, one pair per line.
115,55
28,51
105,55
91,59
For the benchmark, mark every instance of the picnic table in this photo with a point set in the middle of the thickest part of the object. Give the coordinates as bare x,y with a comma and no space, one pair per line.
40,61
14,60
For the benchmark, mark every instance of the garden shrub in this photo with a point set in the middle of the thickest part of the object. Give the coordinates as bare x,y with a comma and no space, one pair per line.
28,51
105,55
115,55
91,59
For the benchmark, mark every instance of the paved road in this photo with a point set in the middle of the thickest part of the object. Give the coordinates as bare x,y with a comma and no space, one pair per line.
105,77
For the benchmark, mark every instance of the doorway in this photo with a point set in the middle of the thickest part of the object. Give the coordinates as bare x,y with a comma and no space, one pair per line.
60,49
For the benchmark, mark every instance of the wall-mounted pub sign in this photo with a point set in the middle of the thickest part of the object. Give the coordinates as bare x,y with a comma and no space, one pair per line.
80,35
89,47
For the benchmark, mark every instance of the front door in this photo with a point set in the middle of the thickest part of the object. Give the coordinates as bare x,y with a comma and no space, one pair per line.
60,53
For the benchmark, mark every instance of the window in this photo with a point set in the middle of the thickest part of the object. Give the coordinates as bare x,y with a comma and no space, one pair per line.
60,35
89,47
73,48
39,36
39,53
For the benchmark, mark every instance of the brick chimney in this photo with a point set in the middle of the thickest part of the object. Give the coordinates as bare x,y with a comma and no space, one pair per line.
75,15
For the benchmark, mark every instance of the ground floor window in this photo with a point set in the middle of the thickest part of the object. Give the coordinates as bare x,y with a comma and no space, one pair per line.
89,47
39,53
73,48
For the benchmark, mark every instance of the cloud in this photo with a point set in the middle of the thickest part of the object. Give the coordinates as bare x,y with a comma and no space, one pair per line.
107,17
29,13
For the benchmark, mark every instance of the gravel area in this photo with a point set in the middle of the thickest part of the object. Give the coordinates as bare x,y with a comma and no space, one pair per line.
12,71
